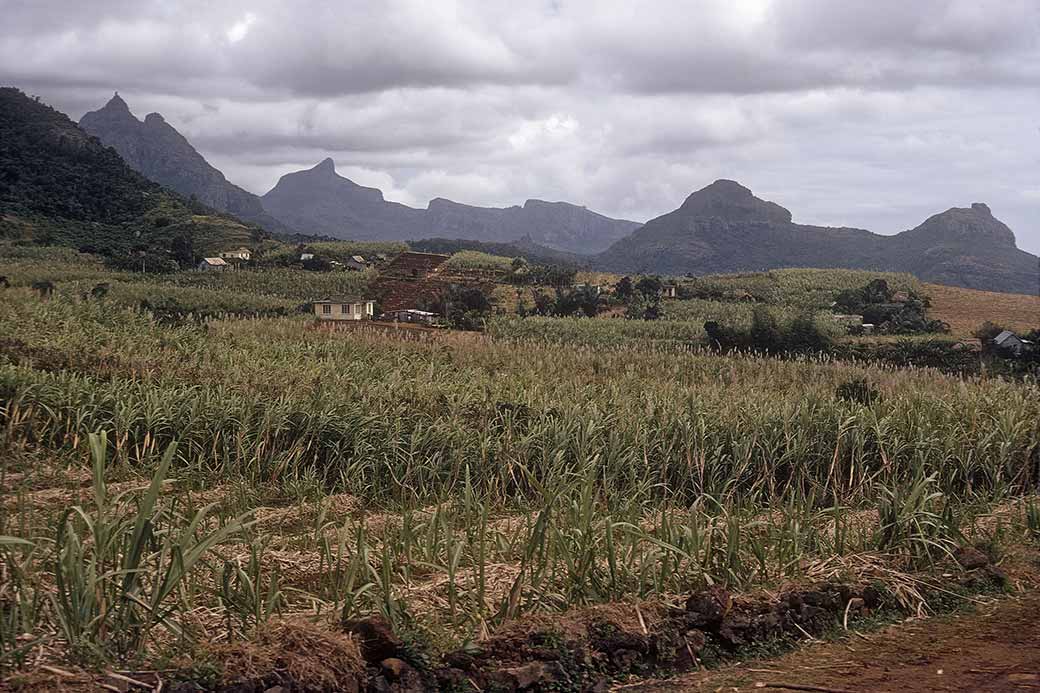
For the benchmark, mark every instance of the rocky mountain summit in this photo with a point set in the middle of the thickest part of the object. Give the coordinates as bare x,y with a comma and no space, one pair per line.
158,151
725,228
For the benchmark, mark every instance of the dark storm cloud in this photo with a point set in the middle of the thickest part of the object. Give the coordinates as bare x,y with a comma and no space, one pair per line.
872,114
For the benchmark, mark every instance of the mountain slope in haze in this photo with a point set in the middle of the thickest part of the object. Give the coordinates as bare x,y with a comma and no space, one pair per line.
59,185
318,200
725,228
559,225
157,150
532,252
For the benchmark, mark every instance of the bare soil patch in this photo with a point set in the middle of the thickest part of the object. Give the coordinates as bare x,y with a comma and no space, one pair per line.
994,648
965,309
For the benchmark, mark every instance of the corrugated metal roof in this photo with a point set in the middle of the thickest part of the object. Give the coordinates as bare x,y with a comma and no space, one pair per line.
344,299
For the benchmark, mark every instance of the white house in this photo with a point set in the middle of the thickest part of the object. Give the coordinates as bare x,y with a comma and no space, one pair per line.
581,286
209,264
306,256
422,317
344,308
240,254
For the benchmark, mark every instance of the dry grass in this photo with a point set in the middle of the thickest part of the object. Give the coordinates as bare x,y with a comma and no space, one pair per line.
965,309
314,657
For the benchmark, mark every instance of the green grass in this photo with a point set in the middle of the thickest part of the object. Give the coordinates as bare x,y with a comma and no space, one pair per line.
473,259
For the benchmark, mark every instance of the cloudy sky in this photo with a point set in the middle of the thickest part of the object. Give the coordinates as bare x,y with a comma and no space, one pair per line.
868,113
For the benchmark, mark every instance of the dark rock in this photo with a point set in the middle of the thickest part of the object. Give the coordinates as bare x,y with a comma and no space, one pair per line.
970,558
820,598
394,668
450,678
607,638
376,638
402,676
529,675
871,597
460,659
707,609
733,631
766,625
377,684
624,660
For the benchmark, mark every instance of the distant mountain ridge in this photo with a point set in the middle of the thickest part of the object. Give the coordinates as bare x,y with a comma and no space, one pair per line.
158,151
319,200
721,228
725,228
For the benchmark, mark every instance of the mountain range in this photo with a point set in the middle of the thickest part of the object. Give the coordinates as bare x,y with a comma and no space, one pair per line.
58,183
319,201
725,228
155,149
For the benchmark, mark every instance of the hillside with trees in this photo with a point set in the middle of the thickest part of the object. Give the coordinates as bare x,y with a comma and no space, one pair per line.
61,186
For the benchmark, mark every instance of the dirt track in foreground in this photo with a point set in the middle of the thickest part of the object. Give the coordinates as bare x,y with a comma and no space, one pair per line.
996,648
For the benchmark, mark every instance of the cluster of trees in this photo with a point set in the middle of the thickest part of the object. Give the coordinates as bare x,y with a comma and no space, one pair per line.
769,335
463,307
889,311
565,302
641,299
522,272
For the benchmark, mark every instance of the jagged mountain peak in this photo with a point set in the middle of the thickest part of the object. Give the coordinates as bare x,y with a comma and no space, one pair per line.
731,201
154,148
535,203
326,165
117,104
725,228
971,225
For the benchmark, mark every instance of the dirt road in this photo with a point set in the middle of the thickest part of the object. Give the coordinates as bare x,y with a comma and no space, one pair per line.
995,648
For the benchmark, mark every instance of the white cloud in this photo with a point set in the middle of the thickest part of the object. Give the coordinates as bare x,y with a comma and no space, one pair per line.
240,29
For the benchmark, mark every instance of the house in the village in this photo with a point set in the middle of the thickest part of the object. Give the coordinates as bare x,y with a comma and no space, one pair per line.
243,254
212,264
850,322
412,315
1010,343
581,286
355,263
306,256
343,308
669,291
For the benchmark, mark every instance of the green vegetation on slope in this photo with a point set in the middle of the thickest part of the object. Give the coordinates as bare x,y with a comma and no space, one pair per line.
59,186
